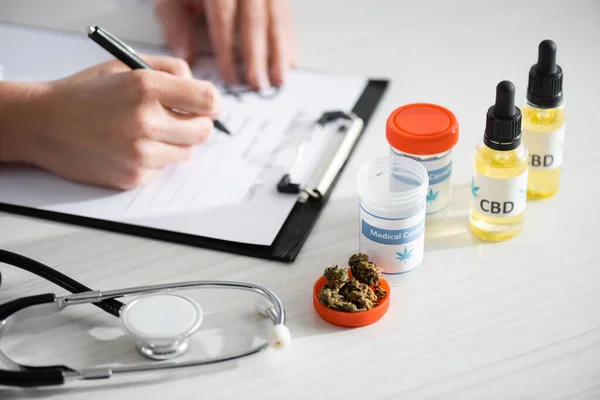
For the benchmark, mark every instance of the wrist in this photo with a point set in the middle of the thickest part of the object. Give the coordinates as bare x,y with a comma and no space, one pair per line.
21,120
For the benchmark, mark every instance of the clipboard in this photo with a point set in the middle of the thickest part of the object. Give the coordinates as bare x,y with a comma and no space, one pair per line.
313,194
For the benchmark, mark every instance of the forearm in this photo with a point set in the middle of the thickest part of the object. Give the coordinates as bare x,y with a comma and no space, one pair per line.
20,117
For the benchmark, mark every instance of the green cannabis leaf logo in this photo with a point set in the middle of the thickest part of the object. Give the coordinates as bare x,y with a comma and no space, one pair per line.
474,189
431,196
405,256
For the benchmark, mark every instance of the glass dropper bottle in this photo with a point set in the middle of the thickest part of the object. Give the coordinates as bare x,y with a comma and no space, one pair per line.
544,123
499,183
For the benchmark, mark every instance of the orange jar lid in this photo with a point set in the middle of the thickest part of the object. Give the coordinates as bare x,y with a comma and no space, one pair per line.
422,129
350,319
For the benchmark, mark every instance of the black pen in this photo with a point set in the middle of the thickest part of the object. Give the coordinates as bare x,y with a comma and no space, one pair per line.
127,55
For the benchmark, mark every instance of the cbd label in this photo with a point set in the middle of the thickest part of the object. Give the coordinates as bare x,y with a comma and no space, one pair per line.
499,197
545,149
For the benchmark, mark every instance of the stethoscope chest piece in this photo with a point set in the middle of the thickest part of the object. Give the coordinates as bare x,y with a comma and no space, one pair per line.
161,324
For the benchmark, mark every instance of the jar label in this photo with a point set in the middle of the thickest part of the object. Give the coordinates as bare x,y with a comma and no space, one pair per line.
499,197
439,171
438,194
387,236
395,245
545,149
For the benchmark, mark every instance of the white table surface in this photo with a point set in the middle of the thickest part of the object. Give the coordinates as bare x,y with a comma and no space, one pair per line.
518,319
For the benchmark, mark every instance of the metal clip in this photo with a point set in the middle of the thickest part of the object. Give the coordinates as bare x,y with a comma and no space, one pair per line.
332,160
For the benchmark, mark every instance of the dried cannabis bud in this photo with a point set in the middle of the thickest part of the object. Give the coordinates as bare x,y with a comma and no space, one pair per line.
367,272
361,300
351,285
359,294
346,306
336,276
355,259
332,299
352,294
380,293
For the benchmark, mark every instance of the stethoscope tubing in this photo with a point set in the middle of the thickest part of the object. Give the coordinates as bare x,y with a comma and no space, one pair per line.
95,296
28,376
50,274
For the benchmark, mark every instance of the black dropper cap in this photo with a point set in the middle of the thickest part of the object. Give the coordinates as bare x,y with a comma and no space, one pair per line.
545,78
503,125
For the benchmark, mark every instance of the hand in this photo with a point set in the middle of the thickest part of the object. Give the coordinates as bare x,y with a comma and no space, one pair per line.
114,127
264,27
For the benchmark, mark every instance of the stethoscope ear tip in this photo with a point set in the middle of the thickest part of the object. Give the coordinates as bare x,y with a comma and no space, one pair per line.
280,337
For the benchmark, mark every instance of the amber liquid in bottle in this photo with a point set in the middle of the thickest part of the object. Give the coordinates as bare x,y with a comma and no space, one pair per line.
498,168
544,123
543,134
499,183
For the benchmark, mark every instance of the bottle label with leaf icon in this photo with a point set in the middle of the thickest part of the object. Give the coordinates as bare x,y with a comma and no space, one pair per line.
394,244
545,148
499,198
439,169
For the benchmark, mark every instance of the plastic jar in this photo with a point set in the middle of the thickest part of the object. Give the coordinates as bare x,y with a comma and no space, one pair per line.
426,133
392,195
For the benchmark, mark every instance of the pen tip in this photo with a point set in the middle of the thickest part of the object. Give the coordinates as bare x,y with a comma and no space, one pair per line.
221,127
91,29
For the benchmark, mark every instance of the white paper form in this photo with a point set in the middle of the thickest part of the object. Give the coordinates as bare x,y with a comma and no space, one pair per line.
227,190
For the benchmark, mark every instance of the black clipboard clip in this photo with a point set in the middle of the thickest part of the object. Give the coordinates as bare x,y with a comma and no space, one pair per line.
332,160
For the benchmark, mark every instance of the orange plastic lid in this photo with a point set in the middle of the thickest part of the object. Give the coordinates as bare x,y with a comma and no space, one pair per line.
350,319
422,129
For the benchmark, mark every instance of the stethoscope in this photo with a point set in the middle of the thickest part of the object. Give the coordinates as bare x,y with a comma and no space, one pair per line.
159,321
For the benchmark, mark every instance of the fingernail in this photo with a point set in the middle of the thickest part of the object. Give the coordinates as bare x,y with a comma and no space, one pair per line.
263,81
278,74
258,80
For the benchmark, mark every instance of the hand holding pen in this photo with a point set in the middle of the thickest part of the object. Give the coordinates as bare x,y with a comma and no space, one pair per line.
110,126
127,55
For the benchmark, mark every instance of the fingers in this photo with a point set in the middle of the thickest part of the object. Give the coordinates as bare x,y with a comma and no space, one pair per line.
185,95
265,30
151,154
133,178
264,27
220,15
278,39
184,129
290,39
177,20
158,141
171,65
253,33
